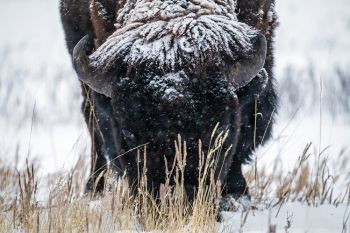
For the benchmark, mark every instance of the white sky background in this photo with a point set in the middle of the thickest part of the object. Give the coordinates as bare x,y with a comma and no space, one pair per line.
313,29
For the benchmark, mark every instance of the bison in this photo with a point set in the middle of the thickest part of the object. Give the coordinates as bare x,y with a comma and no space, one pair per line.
153,69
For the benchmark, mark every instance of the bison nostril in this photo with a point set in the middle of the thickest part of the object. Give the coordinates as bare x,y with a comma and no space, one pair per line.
128,136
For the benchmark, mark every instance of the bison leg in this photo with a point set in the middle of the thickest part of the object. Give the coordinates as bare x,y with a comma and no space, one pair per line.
76,20
99,119
258,110
236,185
257,117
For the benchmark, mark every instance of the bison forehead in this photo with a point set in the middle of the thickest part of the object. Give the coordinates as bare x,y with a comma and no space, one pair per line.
149,10
187,41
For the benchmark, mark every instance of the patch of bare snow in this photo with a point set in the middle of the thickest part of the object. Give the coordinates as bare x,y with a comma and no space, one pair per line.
291,217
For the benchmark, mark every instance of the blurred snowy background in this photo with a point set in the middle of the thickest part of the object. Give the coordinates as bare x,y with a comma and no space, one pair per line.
40,115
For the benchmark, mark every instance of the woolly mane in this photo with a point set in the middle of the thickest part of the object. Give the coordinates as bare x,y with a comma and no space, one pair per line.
170,35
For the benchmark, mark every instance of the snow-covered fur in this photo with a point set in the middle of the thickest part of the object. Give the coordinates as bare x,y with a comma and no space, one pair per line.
169,65
189,41
173,35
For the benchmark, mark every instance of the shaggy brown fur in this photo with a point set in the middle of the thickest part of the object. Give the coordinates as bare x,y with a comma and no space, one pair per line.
103,14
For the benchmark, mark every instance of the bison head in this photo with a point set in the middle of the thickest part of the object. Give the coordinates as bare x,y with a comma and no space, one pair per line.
174,67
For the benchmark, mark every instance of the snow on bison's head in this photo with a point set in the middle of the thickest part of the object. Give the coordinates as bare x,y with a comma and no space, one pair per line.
174,67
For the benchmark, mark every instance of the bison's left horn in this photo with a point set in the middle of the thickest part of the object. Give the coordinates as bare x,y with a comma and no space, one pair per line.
85,71
243,71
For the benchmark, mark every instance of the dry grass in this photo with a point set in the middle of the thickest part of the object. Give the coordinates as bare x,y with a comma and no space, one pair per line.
313,184
65,209
62,207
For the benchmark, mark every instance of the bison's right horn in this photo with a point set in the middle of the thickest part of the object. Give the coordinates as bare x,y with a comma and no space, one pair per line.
244,70
86,73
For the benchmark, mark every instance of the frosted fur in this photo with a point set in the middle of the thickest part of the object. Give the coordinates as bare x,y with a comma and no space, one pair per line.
148,10
170,86
171,34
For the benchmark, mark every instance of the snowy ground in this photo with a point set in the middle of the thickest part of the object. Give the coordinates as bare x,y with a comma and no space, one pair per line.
292,217
40,97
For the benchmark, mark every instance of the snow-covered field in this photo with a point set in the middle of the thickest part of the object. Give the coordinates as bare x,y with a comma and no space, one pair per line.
292,217
40,99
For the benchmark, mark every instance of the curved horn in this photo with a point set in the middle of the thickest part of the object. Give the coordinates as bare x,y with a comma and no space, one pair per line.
86,74
243,71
